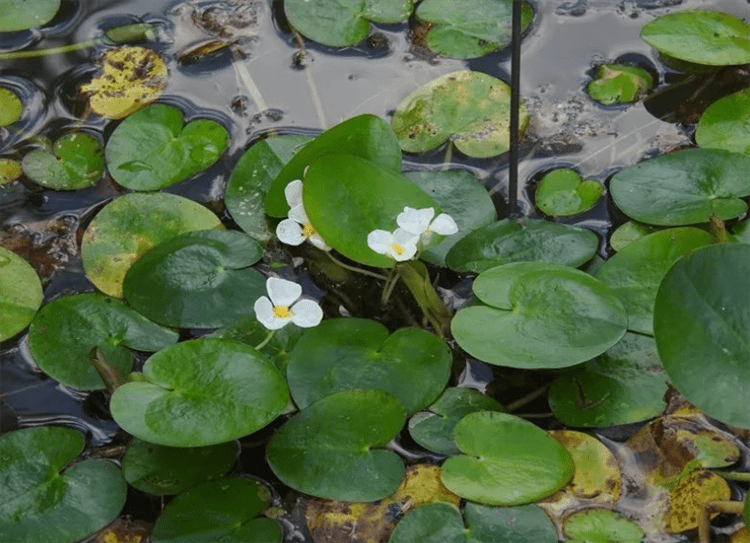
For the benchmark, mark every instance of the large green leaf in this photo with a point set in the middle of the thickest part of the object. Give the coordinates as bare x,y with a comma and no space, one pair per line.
201,392
20,293
539,315
506,461
65,331
685,187
40,501
151,149
342,354
75,161
329,449
724,124
24,14
702,330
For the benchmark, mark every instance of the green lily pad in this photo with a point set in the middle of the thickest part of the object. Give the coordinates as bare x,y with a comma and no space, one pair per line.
471,108
151,149
64,332
726,124
510,240
342,354
628,232
601,526
11,107
129,226
626,384
442,523
132,33
221,510
247,185
201,392
433,428
197,279
700,36
75,161
161,470
18,15
20,293
338,23
635,272
10,170
506,461
41,503
460,195
344,210
365,136
562,192
329,449
539,315
619,84
685,187
701,315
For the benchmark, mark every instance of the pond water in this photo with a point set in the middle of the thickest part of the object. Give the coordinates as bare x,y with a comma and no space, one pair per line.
305,92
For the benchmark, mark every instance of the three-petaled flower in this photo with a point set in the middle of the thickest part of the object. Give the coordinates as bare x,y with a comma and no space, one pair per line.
297,228
284,306
400,245
420,223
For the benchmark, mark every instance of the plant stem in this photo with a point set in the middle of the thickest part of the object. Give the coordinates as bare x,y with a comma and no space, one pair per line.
448,155
263,343
51,51
718,229
390,284
704,523
311,82
528,398
417,280
741,476
354,268
247,79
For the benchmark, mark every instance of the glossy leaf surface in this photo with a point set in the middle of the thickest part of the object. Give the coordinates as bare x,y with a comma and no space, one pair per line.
20,293
724,124
562,192
18,15
75,161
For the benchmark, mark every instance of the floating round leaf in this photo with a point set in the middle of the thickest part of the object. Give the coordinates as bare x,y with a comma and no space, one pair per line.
328,449
629,232
38,504
601,526
252,176
685,187
10,170
20,293
129,226
726,124
540,315
75,161
460,31
563,192
338,23
197,279
442,523
64,332
506,461
152,149
133,77
221,510
701,315
164,470
635,272
201,392
700,36
510,240
619,84
470,108
11,107
18,15
341,354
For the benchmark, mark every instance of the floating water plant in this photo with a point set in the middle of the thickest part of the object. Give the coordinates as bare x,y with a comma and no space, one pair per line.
619,84
75,161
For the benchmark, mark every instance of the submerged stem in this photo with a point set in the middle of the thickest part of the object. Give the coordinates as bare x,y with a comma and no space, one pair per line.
263,343
390,284
247,79
51,51
704,523
354,268
311,82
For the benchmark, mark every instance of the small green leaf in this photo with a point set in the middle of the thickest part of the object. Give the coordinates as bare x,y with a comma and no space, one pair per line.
628,232
18,15
131,33
10,170
726,124
76,162
601,526
11,107
562,192
20,293
619,84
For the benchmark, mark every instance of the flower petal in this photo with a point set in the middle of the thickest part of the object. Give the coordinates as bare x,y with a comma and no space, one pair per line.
290,232
293,193
444,225
283,292
297,213
380,241
319,242
415,221
264,313
306,313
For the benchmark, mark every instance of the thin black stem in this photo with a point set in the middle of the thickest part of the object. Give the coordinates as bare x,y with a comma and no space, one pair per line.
515,99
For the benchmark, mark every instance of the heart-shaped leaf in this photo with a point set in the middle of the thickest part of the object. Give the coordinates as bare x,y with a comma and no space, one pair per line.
201,392
471,108
506,461
701,314
601,526
197,279
338,23
18,15
724,124
10,170
459,32
540,315
11,107
75,161
129,226
563,192
510,240
342,354
685,187
64,332
152,149
629,232
619,84
328,449
41,503
20,293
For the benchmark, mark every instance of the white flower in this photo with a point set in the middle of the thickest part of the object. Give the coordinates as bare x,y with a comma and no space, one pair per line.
417,221
401,245
283,306
297,228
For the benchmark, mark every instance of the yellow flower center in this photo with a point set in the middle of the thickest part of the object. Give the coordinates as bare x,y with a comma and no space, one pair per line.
397,248
282,311
308,230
